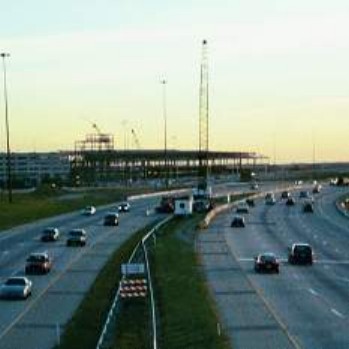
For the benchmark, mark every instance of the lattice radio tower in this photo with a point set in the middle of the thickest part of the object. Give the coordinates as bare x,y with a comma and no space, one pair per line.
203,118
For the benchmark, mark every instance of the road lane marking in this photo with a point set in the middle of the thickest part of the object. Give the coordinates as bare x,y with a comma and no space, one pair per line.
313,292
337,313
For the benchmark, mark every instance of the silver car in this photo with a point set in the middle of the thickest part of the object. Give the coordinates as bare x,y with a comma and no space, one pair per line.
16,287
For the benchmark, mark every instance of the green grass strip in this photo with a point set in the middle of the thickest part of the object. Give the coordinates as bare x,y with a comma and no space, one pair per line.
186,310
32,206
85,327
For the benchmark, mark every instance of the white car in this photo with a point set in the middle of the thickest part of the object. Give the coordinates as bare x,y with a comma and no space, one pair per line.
16,287
89,211
242,207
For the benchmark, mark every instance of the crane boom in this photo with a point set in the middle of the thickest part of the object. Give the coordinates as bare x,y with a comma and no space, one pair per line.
135,139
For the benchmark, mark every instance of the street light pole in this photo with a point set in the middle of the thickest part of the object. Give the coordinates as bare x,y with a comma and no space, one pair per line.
164,82
9,176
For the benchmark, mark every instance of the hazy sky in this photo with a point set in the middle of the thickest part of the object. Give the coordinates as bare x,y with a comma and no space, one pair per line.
279,73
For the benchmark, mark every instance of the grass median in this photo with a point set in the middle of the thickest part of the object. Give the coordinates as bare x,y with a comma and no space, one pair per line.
84,329
185,311
188,318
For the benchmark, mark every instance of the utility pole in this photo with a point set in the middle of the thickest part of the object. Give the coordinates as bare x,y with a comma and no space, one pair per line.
203,119
9,175
164,109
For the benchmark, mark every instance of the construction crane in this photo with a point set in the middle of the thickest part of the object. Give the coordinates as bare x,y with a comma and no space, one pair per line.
135,139
203,121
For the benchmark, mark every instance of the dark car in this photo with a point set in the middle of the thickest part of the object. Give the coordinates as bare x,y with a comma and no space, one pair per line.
304,194
308,207
124,207
285,194
76,237
266,262
250,202
317,189
38,263
111,219
290,201
202,205
50,234
300,253
238,222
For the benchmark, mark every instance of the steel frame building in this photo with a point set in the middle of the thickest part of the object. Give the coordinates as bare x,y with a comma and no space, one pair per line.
98,165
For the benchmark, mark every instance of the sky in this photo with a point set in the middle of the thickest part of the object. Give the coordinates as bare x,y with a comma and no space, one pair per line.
278,74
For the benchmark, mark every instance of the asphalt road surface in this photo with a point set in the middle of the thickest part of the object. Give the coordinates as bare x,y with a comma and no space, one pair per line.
35,323
302,307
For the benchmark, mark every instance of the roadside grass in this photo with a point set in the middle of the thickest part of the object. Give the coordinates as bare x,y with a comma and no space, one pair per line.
85,327
29,207
188,318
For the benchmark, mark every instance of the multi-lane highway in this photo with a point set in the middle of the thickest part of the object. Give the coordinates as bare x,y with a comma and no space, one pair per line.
36,322
303,306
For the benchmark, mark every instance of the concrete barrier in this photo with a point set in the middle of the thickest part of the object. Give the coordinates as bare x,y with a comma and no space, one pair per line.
210,215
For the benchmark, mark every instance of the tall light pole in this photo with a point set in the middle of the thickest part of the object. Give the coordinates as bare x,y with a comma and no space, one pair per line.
9,177
164,82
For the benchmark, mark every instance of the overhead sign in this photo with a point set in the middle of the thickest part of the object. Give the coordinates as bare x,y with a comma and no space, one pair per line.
132,268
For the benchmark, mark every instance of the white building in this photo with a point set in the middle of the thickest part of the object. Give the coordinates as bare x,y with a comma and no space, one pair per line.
32,168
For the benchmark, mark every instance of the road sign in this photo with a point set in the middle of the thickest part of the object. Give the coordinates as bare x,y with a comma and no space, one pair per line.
132,268
133,288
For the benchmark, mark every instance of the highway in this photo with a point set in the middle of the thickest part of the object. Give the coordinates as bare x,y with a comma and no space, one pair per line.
36,322
302,307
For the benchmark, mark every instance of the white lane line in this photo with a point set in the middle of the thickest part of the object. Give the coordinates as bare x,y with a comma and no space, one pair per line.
246,259
313,292
337,313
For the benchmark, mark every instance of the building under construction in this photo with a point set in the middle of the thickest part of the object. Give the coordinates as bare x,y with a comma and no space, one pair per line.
95,160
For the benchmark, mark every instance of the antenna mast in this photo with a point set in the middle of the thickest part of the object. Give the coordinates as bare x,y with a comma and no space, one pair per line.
203,119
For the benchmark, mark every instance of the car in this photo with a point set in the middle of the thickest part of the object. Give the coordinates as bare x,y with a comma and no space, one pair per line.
290,201
300,253
16,287
304,194
50,234
238,222
254,186
317,189
38,263
308,207
124,207
242,207
202,205
266,262
89,211
77,237
285,194
111,218
250,202
270,200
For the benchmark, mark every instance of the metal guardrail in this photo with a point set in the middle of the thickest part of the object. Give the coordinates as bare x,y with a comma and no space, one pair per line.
111,313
